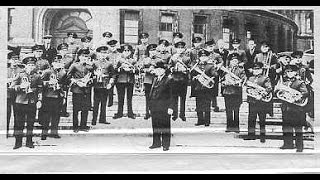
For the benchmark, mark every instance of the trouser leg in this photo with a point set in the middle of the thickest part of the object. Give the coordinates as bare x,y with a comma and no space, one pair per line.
129,97
84,119
287,130
207,116
75,119
103,106
64,106
262,120
299,137
19,122
96,102
147,88
175,105
155,119
252,117
165,129
121,93
182,105
229,112
235,123
110,95
30,124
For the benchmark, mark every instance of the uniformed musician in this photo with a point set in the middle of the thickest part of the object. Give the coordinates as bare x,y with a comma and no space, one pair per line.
161,107
73,46
180,66
217,59
222,51
203,93
49,51
80,74
125,70
106,37
197,45
104,80
140,50
251,53
232,91
236,49
164,51
67,60
177,37
53,81
27,86
148,65
257,107
293,116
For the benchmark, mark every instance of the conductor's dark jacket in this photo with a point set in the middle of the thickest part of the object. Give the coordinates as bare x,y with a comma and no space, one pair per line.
161,95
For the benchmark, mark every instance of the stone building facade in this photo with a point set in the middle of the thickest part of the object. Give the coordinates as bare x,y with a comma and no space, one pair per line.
27,25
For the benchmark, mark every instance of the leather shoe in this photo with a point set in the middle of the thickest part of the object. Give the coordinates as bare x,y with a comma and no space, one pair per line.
132,116
287,147
65,114
17,146
207,125
299,150
75,130
117,116
93,123
174,118
43,137
216,109
105,122
154,146
85,129
147,116
30,145
56,136
183,118
198,124
165,148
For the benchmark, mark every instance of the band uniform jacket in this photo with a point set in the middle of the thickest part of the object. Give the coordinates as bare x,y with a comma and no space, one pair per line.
49,54
241,53
42,64
114,57
216,59
140,52
223,53
107,70
46,77
73,49
194,53
148,64
77,71
35,86
229,88
161,94
300,86
11,74
262,57
250,58
126,76
262,81
197,89
180,64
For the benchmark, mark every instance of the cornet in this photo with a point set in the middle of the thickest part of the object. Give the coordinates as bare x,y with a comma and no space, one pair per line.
25,85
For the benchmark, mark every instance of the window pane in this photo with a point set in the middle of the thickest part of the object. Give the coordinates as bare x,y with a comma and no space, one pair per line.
162,26
131,39
166,19
200,20
131,23
131,31
169,27
131,15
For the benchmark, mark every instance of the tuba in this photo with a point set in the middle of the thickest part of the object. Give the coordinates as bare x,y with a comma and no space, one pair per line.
289,95
257,92
83,82
204,79
233,79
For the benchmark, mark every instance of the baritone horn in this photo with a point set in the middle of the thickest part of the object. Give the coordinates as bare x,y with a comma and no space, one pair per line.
204,79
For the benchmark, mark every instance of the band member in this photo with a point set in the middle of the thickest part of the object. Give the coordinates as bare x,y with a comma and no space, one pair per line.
270,64
27,86
180,66
177,37
197,45
251,53
202,77
222,51
106,37
53,80
140,50
217,59
72,45
256,105
236,49
67,60
126,70
293,116
13,68
104,80
80,74
49,51
163,51
232,92
87,44
161,107
148,65
41,63
113,55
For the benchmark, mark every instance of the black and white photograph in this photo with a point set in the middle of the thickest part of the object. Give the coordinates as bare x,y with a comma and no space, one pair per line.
159,89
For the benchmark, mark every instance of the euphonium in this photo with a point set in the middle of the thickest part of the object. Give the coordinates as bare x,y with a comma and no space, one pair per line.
233,79
204,79
290,95
82,82
257,92
126,64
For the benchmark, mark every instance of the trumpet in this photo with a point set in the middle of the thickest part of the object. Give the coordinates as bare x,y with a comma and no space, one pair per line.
290,95
204,79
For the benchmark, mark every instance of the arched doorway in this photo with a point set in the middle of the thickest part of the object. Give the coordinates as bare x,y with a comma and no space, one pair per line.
58,22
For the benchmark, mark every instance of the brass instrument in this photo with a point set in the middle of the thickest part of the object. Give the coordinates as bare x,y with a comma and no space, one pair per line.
82,82
126,65
233,79
99,74
257,92
180,63
289,95
53,82
204,79
25,85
